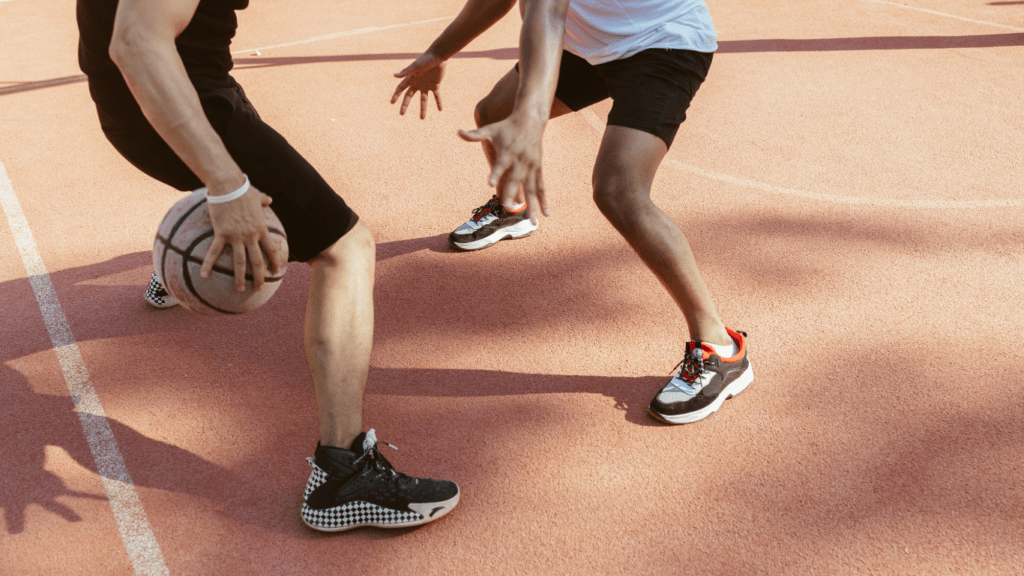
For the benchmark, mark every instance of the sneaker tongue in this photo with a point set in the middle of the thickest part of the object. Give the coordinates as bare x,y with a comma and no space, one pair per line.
704,350
336,461
357,444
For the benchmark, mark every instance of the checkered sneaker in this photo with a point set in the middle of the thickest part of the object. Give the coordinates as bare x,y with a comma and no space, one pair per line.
157,296
352,514
345,492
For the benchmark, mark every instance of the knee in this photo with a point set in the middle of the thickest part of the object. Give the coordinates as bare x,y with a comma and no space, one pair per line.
619,199
610,195
354,252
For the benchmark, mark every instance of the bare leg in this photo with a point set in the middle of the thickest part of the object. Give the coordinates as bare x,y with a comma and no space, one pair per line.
497,106
339,333
623,174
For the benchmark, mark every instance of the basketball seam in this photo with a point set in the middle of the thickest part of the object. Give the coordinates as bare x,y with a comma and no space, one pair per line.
188,277
174,230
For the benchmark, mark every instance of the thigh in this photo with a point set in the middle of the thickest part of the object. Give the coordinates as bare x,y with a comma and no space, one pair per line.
313,214
579,84
501,100
627,163
652,90
140,145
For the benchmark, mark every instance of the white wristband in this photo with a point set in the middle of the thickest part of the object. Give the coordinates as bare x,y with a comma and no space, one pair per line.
229,197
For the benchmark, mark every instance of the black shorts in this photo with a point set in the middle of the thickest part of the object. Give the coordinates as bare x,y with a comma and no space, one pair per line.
313,215
650,90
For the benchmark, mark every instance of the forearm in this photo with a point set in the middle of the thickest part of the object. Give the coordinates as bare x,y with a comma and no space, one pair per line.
540,53
156,76
474,19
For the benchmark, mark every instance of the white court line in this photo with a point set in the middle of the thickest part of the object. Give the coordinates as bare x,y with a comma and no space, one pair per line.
136,533
944,14
358,31
597,124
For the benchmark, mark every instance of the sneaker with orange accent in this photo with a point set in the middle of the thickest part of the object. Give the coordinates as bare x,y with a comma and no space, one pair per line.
703,382
489,224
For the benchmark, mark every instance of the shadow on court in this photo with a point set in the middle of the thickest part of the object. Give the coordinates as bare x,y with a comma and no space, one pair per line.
724,47
31,421
871,43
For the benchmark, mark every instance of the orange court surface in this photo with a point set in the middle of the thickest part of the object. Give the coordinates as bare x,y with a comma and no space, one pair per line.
849,176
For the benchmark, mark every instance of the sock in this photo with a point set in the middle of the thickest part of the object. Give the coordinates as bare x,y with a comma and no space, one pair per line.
516,208
727,351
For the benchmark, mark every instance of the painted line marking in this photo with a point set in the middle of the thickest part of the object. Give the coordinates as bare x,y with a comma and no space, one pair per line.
335,35
136,532
597,124
946,15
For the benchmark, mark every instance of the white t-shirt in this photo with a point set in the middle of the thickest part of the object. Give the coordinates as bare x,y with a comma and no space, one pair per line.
605,30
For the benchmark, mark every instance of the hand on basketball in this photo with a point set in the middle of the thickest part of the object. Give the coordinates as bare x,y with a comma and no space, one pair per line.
517,141
423,76
240,225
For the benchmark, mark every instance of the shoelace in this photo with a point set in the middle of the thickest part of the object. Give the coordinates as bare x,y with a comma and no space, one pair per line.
371,453
482,211
691,367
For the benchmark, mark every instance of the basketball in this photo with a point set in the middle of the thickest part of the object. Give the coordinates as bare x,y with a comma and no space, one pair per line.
181,243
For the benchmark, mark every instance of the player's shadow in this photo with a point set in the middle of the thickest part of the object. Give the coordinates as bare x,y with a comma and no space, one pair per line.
724,47
30,422
631,395
33,422
388,250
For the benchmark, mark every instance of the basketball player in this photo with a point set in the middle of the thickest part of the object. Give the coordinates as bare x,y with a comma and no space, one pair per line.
649,57
159,75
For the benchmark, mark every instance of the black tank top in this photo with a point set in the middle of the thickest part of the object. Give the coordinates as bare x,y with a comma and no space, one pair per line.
204,46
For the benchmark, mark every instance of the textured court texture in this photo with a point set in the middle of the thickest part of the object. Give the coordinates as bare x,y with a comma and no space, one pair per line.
849,176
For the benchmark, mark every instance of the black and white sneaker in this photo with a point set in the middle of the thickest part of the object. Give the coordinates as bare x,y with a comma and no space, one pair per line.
703,382
157,296
359,487
489,224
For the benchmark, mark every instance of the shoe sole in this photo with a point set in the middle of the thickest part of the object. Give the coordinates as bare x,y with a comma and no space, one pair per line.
429,511
511,233
164,306
738,385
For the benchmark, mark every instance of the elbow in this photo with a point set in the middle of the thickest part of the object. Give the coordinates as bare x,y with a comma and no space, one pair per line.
124,44
118,50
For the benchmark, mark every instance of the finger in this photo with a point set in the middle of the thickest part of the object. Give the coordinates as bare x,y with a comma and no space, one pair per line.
423,105
271,250
542,194
238,256
401,86
501,166
265,200
405,101
405,71
478,135
211,256
437,98
259,268
510,185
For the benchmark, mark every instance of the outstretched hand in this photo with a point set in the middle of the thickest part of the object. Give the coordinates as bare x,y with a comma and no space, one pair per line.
517,143
240,225
424,75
